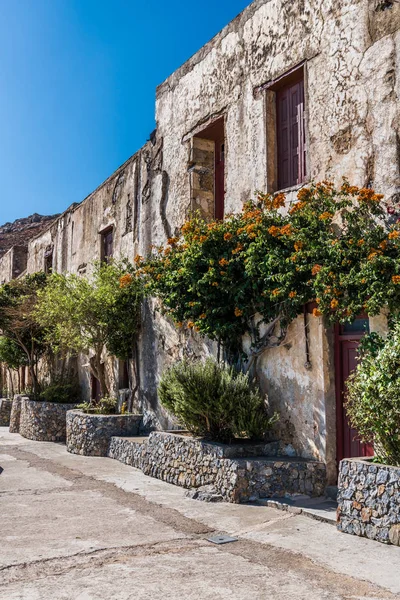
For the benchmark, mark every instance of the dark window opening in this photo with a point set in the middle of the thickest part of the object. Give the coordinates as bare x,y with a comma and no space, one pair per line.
48,262
216,133
290,130
95,388
107,245
123,375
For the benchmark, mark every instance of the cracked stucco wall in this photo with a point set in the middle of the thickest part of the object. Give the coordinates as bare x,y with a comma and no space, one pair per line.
351,55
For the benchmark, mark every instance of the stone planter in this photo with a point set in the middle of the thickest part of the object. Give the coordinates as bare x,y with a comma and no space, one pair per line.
15,416
369,500
90,435
238,473
5,412
43,421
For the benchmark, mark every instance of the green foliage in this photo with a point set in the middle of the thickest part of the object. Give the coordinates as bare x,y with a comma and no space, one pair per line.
11,354
61,392
373,399
214,401
18,323
81,313
330,246
105,406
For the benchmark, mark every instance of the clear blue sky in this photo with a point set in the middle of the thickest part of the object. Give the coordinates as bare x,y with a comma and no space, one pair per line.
77,88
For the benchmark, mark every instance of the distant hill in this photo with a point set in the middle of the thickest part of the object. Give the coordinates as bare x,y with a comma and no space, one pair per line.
21,231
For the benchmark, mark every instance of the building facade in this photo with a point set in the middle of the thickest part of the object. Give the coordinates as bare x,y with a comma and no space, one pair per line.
287,93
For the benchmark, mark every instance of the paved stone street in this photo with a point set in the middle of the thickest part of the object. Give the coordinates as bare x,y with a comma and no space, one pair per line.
83,528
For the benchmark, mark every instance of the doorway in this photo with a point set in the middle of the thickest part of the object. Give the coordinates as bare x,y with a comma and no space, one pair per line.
347,340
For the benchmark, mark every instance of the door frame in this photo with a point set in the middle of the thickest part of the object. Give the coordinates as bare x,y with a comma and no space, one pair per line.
339,337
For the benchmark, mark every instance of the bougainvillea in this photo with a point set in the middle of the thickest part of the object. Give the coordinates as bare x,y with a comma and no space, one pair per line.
258,268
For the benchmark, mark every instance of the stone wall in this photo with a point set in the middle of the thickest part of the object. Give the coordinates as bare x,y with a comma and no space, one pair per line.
90,435
369,500
193,463
15,416
5,412
43,421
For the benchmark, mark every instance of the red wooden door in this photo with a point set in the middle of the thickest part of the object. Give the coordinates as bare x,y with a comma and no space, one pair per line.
347,339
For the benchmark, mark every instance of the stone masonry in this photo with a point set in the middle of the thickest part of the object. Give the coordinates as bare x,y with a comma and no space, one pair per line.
193,463
5,412
90,435
43,421
369,500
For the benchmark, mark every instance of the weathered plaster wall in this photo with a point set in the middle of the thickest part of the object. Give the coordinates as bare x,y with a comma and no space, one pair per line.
13,263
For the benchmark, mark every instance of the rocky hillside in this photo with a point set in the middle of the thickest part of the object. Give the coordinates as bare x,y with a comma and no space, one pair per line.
21,231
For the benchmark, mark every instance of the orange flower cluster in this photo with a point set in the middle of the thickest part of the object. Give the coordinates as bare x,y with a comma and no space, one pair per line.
227,236
223,262
394,234
276,292
296,207
316,312
238,249
325,216
186,227
125,280
279,200
316,269
303,195
334,303
396,279
298,246
238,312
215,283
190,324
274,231
292,294
368,195
203,238
203,316
138,259
172,241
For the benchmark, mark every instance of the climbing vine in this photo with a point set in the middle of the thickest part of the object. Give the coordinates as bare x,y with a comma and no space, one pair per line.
253,272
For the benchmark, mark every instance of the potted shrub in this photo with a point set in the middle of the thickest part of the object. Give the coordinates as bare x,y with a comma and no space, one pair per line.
215,402
369,489
91,426
43,416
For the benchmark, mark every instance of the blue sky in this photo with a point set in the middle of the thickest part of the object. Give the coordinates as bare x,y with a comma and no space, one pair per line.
77,82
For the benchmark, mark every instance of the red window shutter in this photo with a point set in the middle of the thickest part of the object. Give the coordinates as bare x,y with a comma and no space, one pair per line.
291,135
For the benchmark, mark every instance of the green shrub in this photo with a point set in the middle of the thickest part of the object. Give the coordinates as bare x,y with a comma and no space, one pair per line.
105,406
61,392
373,399
214,401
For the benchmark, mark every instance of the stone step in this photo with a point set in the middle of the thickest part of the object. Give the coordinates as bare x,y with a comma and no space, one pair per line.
320,509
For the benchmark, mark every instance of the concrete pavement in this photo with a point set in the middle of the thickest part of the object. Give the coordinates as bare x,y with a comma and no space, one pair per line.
86,528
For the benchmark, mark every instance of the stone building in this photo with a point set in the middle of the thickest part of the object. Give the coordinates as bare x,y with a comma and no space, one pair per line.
286,93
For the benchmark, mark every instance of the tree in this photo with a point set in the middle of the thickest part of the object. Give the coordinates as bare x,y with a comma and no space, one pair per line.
253,272
13,357
100,314
18,323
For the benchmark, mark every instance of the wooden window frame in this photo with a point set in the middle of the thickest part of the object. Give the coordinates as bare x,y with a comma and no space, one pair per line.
103,237
272,91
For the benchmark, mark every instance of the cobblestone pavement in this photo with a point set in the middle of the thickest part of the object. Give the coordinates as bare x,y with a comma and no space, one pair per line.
85,528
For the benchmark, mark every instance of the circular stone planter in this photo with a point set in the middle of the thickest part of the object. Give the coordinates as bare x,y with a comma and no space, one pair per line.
5,412
90,435
43,421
